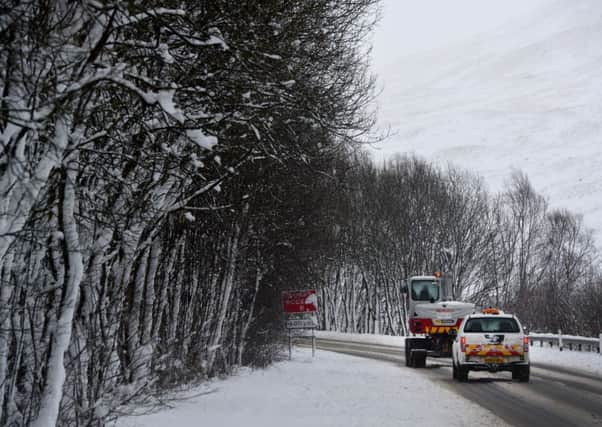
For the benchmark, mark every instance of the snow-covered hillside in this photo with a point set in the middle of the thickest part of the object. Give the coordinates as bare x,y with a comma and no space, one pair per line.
526,96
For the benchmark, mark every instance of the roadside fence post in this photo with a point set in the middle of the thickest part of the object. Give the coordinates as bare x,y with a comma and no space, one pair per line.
559,339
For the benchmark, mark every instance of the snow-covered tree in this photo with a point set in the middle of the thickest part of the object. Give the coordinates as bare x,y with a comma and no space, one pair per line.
147,150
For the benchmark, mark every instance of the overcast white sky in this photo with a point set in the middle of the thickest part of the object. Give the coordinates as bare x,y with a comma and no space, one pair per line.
410,26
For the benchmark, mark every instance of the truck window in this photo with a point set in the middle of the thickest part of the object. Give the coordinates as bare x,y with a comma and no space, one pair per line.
425,290
492,324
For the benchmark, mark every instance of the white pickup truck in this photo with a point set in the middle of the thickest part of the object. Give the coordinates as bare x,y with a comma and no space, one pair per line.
490,341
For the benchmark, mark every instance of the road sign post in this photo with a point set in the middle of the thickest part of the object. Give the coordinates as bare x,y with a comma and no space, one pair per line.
313,342
300,311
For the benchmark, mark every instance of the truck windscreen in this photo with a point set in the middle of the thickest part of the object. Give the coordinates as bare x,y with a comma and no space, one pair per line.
425,290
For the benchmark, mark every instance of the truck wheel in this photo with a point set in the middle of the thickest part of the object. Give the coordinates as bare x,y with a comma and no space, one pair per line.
454,371
420,358
521,374
415,351
462,374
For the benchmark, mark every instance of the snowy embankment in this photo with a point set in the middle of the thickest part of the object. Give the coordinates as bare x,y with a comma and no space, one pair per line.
580,361
329,390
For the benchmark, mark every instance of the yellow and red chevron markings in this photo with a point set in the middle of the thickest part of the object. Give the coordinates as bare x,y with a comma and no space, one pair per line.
494,350
438,329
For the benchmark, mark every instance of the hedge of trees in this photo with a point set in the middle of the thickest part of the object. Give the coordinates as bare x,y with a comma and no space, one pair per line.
161,166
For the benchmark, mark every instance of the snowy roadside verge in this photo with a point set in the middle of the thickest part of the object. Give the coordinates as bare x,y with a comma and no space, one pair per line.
330,390
581,362
572,361
362,338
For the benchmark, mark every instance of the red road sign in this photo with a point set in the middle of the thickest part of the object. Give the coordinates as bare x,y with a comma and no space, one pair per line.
300,301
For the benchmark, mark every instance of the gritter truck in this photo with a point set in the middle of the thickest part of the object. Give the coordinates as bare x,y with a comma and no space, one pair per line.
432,315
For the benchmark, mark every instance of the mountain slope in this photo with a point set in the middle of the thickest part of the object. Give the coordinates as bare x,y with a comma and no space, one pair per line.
527,96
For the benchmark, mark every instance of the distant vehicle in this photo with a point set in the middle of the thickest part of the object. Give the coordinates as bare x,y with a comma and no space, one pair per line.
490,341
432,317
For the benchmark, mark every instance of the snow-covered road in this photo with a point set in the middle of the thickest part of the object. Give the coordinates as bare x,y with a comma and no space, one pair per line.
578,361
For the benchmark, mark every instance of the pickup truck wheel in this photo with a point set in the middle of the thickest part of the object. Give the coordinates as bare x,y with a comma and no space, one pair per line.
454,371
462,374
515,374
521,373
408,352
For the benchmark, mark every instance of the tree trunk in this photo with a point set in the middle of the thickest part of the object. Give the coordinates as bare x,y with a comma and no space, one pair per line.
5,295
228,284
247,324
133,338
149,295
55,377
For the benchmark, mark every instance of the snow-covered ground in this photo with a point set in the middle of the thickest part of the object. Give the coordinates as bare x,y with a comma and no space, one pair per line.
524,96
578,360
330,390
336,390
588,362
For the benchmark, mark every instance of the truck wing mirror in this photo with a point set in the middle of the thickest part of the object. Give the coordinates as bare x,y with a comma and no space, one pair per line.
404,287
453,333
